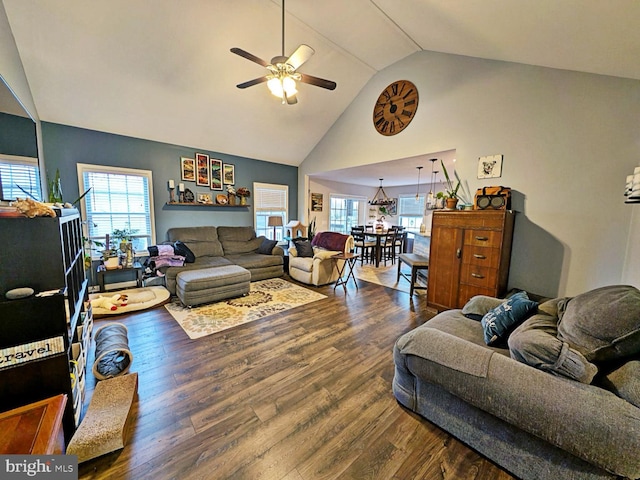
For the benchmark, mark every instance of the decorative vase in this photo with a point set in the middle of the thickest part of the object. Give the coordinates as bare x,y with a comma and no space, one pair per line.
231,197
243,200
129,255
451,203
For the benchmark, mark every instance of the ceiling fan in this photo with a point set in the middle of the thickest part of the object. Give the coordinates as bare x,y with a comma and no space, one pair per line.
283,74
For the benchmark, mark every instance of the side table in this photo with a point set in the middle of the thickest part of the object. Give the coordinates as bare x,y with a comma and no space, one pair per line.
350,260
137,268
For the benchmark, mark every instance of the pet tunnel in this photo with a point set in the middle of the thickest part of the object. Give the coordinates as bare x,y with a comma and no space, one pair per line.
113,356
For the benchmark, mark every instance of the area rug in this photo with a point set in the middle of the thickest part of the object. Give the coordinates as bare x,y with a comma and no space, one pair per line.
387,277
265,298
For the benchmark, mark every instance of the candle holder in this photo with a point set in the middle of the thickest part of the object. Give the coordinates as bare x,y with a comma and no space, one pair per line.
171,197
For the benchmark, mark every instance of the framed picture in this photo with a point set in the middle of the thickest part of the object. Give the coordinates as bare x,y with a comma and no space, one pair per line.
393,207
202,169
490,166
229,174
316,202
216,174
188,169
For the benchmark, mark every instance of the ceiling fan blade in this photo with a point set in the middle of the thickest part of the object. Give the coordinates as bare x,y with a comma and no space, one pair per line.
318,82
253,82
249,56
301,55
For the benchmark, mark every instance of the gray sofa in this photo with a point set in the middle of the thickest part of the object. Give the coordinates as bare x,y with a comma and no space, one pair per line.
220,246
532,422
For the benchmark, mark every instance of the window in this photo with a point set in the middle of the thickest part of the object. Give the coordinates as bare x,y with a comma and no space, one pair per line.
270,200
120,198
19,177
410,211
345,212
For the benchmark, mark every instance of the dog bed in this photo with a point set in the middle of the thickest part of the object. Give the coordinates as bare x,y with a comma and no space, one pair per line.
137,299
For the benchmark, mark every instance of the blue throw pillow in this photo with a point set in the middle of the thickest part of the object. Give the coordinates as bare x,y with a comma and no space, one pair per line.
266,247
304,248
498,322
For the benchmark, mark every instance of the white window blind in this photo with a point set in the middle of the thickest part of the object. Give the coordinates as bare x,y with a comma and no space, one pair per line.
409,206
410,210
119,199
270,200
270,197
19,172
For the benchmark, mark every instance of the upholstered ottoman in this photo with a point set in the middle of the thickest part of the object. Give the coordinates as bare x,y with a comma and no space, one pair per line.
205,285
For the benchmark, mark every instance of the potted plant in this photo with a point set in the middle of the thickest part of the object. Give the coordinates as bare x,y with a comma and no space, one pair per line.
123,238
453,193
450,191
110,257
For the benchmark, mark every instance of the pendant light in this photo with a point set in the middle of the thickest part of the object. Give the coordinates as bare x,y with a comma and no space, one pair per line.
431,198
418,189
380,198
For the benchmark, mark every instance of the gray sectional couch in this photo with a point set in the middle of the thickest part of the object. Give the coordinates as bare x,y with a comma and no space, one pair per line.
220,246
533,422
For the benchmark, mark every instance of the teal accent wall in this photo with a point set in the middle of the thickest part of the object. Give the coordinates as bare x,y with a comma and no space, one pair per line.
66,146
17,136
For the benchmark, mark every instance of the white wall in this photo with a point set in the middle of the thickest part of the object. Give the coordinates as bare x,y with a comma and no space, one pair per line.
11,66
568,139
12,71
631,273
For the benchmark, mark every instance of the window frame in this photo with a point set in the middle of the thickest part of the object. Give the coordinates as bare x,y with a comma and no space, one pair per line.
420,217
94,168
31,162
362,205
265,212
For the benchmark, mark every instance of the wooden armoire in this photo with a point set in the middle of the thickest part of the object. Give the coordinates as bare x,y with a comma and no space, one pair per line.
469,255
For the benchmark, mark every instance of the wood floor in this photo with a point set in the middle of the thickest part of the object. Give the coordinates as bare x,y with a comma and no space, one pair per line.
301,395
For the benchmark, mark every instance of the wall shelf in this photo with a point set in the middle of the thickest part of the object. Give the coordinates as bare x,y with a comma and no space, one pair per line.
210,205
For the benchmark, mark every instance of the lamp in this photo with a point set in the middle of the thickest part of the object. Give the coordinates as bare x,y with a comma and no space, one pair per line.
380,198
275,221
418,189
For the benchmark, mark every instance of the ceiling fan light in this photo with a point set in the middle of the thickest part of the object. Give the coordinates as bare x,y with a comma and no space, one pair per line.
289,85
275,86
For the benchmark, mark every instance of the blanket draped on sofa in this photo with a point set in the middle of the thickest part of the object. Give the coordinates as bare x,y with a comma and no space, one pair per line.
330,240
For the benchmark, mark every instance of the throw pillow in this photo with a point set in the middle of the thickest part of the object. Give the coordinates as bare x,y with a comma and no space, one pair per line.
499,321
304,248
181,249
267,246
478,306
624,381
603,324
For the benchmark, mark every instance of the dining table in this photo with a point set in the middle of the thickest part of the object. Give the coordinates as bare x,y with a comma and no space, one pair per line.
378,235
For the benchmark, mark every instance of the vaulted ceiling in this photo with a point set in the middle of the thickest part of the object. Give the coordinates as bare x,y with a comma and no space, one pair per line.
162,69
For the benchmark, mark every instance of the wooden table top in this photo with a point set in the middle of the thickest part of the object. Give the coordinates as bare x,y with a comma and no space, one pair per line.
34,429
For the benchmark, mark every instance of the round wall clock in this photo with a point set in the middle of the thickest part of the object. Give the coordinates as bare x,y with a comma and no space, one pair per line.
395,108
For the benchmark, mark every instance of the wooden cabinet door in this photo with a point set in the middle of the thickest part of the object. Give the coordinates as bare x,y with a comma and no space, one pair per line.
444,267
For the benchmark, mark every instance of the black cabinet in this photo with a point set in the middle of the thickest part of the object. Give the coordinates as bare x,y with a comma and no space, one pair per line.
44,337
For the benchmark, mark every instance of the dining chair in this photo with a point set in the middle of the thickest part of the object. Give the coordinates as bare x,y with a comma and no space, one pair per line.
401,236
362,245
388,247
